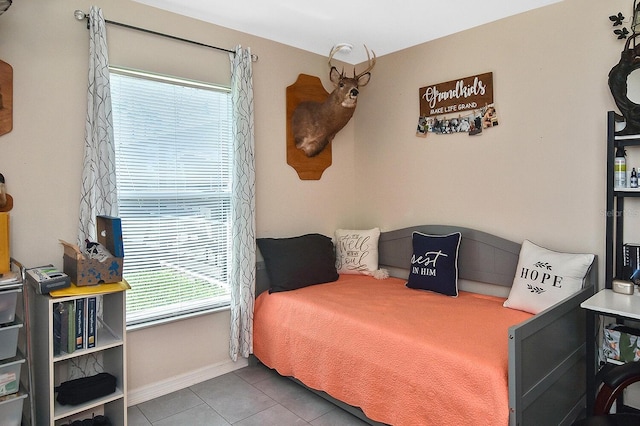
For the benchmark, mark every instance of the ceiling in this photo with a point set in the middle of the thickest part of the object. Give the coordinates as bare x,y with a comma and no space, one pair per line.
384,26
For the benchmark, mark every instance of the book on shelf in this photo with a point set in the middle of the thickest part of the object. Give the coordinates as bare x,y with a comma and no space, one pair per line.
631,262
91,321
71,327
80,323
58,309
63,328
74,325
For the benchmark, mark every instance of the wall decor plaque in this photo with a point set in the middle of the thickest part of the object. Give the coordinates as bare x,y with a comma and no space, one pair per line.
463,94
464,105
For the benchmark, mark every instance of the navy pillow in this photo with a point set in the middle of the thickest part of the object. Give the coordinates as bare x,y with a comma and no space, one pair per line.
298,262
434,263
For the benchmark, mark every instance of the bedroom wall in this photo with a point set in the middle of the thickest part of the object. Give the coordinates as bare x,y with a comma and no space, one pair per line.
538,175
41,157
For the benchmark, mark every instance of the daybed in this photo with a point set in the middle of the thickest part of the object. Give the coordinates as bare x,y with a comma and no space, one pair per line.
488,365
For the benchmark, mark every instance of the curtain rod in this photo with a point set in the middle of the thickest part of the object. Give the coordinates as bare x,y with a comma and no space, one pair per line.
80,15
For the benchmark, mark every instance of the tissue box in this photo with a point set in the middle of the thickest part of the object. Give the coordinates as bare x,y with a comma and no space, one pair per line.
84,271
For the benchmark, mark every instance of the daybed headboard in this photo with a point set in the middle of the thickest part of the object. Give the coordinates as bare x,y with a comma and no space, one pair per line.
482,257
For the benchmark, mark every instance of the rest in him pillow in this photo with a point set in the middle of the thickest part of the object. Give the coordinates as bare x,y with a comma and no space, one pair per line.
357,251
545,277
434,263
298,262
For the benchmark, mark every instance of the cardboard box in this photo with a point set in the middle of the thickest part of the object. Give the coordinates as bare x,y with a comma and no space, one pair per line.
84,271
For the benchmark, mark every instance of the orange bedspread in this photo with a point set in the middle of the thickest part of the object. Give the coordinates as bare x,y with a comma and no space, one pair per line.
406,357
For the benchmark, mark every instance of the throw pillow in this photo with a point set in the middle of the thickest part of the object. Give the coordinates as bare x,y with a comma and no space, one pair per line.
434,263
298,262
357,251
545,277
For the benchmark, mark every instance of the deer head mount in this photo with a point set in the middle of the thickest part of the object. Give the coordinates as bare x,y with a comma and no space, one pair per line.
314,124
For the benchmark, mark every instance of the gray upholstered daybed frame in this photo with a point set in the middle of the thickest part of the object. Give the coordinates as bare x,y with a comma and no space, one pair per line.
547,369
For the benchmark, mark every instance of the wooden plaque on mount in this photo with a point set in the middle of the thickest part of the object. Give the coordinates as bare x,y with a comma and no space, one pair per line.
306,88
6,98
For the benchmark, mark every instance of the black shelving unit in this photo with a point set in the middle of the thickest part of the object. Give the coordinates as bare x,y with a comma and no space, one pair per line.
616,200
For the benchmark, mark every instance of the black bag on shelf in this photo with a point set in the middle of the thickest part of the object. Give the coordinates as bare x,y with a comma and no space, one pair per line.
77,391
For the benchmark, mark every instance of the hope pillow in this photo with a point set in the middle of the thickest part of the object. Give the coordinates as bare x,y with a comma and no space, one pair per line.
545,277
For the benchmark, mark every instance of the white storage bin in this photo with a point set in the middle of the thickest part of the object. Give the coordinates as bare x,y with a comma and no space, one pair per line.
11,410
8,300
9,341
10,377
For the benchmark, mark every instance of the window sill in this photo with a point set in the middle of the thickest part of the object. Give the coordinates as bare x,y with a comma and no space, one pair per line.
162,321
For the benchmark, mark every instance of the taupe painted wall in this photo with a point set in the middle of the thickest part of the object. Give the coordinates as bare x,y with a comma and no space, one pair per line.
538,175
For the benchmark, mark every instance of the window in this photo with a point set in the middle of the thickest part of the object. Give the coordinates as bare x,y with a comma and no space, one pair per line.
174,170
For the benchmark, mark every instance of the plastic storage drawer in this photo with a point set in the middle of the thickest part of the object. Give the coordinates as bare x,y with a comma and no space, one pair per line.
9,341
11,410
10,377
8,300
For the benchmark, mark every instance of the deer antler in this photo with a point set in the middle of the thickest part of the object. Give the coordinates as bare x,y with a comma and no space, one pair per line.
371,63
335,50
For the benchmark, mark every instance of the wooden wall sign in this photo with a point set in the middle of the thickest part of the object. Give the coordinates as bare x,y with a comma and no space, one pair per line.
6,98
452,97
306,88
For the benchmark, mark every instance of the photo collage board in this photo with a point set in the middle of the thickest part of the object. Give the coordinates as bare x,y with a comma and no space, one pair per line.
464,105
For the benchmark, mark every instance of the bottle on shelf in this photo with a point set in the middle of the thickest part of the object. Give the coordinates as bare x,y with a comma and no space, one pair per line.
620,168
633,180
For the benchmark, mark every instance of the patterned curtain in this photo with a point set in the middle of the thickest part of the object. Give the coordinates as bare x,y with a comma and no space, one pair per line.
243,269
98,195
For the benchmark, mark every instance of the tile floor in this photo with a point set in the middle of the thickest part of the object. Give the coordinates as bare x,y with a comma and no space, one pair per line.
246,397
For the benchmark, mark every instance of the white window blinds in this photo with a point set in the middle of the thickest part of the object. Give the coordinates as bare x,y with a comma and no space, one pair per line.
173,165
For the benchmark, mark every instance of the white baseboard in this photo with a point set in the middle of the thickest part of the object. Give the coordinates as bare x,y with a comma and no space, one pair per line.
164,387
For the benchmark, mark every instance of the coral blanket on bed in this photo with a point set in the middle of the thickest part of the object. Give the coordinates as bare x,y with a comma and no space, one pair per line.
406,357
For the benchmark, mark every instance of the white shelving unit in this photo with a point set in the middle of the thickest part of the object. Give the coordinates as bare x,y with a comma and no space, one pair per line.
109,355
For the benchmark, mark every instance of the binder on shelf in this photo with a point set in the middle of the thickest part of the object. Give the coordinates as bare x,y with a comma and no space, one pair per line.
71,327
631,262
80,323
91,322
63,312
58,309
63,328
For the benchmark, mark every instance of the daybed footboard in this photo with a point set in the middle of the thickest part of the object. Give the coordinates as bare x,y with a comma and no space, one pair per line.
547,367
